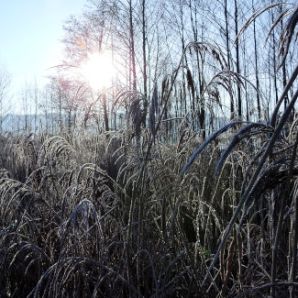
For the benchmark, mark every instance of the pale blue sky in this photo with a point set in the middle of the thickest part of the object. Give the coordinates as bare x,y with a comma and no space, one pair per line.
30,35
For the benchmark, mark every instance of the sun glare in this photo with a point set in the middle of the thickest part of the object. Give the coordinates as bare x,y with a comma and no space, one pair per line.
98,70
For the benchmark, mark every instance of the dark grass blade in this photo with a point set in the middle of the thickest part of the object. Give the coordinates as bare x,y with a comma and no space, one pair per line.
287,88
201,147
287,35
242,133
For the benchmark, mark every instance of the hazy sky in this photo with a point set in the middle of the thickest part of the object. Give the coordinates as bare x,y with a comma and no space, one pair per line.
30,34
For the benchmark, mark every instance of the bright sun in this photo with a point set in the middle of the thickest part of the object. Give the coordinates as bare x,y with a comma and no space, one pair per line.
98,70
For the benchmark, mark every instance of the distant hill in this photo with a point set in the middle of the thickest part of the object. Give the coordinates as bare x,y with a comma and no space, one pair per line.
37,123
30,123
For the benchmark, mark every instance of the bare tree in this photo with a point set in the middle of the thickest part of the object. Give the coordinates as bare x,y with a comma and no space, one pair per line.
67,98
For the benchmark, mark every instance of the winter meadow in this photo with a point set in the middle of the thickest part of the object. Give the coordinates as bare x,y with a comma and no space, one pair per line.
159,159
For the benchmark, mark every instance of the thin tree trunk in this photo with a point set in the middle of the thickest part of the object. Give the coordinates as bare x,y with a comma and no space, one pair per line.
245,84
182,38
132,48
144,38
105,112
232,107
237,61
274,60
256,67
69,121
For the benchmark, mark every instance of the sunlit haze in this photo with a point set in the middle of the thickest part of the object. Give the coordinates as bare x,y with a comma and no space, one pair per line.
98,70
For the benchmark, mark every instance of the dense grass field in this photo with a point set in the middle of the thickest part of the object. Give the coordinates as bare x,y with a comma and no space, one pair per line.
91,216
